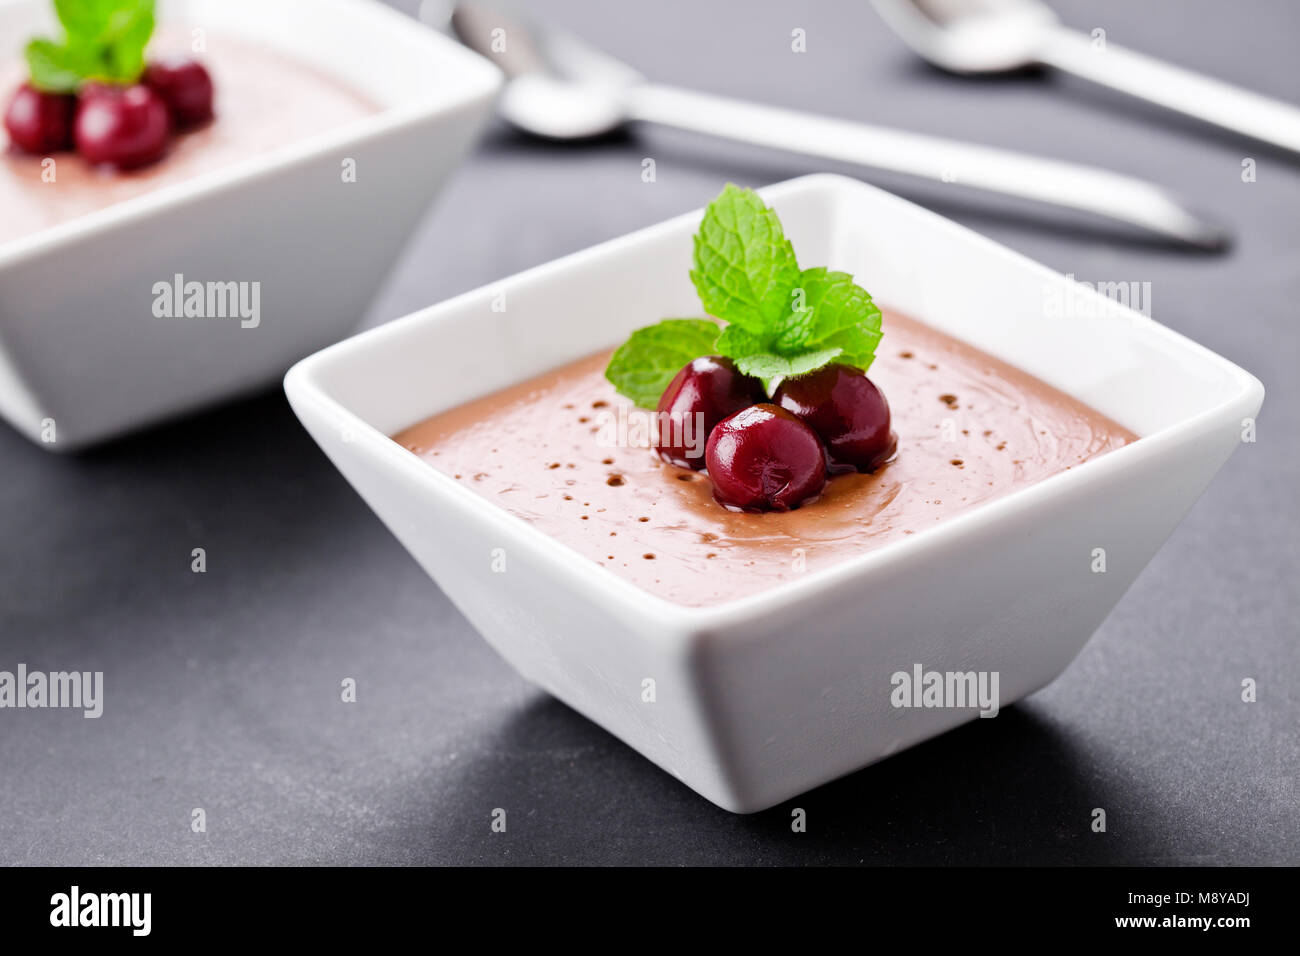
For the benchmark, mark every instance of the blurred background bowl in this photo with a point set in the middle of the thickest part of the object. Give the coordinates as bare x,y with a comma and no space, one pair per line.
82,355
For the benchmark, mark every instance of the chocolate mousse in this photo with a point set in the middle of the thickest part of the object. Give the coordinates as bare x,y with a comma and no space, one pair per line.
554,451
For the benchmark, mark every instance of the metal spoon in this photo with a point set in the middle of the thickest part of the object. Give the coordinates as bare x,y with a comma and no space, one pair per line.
992,36
562,89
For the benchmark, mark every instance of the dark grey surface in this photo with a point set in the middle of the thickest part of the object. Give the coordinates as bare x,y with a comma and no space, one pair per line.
223,688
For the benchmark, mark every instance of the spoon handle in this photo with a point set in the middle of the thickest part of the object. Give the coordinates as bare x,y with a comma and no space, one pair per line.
1055,182
1213,101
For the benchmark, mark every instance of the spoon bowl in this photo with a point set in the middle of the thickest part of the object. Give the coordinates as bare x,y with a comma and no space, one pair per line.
972,36
555,108
996,36
560,88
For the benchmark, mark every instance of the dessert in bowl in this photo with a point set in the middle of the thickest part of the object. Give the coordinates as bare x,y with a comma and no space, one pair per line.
164,256
841,473
770,667
49,179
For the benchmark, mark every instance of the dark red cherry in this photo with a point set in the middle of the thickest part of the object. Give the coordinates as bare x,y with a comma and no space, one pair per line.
846,409
39,122
765,459
702,394
122,126
184,86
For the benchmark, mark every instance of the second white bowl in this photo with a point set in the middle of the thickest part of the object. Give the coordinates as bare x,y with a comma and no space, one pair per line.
83,357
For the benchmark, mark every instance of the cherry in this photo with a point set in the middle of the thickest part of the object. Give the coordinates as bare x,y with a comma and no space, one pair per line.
764,459
184,86
124,127
40,122
846,409
711,386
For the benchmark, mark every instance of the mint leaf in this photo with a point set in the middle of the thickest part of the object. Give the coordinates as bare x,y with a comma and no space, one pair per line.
754,356
103,40
857,345
795,331
772,368
84,18
643,366
781,321
830,317
125,33
746,274
51,67
744,265
841,314
735,342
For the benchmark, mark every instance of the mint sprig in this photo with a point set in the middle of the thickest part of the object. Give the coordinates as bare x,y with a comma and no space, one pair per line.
104,40
644,365
781,320
744,265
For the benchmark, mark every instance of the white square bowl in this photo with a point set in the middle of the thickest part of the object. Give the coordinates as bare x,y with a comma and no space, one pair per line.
79,343
764,697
